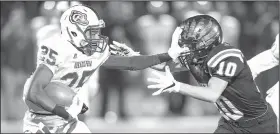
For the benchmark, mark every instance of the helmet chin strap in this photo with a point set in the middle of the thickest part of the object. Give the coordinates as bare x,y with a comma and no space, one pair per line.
72,41
197,62
79,49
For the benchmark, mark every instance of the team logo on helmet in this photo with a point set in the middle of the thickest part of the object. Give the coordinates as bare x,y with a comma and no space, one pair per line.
78,17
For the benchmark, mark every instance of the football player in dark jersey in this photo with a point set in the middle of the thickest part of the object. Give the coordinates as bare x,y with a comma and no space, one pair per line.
224,76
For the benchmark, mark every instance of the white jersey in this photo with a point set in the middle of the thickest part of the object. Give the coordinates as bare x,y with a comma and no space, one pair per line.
69,66
262,62
265,60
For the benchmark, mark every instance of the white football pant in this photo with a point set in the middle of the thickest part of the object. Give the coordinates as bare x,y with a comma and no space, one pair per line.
33,123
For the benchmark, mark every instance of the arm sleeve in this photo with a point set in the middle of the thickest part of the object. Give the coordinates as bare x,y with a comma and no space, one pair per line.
135,62
227,69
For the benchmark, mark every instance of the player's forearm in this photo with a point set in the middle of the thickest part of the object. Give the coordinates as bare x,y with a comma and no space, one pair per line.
40,98
262,62
158,68
201,93
174,67
135,62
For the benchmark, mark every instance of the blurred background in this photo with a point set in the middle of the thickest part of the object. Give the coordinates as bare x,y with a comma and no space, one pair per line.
119,100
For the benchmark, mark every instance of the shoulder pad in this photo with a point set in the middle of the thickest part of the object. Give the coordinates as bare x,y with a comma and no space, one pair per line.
52,52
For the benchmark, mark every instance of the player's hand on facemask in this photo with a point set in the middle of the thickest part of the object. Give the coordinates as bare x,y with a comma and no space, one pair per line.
76,107
121,49
175,50
165,83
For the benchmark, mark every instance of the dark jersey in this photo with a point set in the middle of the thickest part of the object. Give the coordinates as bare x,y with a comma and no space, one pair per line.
241,98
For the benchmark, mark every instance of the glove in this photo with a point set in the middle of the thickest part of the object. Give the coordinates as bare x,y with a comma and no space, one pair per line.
121,49
73,110
165,83
69,125
84,109
76,107
175,50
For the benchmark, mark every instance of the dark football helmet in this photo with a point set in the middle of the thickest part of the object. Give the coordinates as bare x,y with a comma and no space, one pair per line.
200,34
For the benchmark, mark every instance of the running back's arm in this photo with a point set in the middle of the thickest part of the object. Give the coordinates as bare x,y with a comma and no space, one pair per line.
174,67
48,59
135,62
36,94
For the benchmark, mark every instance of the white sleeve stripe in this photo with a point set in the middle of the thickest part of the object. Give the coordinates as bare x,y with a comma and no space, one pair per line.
224,54
233,108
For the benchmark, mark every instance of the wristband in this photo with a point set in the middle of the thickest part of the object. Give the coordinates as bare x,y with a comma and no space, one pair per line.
60,111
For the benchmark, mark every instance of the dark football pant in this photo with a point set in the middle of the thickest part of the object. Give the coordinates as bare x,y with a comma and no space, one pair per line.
264,124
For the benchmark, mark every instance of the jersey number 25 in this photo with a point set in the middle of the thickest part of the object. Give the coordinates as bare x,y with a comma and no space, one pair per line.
74,76
51,55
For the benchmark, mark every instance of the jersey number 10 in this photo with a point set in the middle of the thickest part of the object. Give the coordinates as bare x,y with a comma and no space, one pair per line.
228,70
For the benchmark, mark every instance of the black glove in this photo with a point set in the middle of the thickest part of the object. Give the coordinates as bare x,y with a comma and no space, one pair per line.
84,109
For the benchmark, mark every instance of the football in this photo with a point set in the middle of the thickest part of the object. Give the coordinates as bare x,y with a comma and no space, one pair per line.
60,93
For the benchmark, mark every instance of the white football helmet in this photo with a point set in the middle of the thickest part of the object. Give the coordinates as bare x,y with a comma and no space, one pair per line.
81,26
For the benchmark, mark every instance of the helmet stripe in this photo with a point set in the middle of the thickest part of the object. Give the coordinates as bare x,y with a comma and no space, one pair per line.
191,29
205,31
71,38
210,36
81,31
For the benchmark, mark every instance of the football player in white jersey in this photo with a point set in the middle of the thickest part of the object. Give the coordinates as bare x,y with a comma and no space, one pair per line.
262,62
71,58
